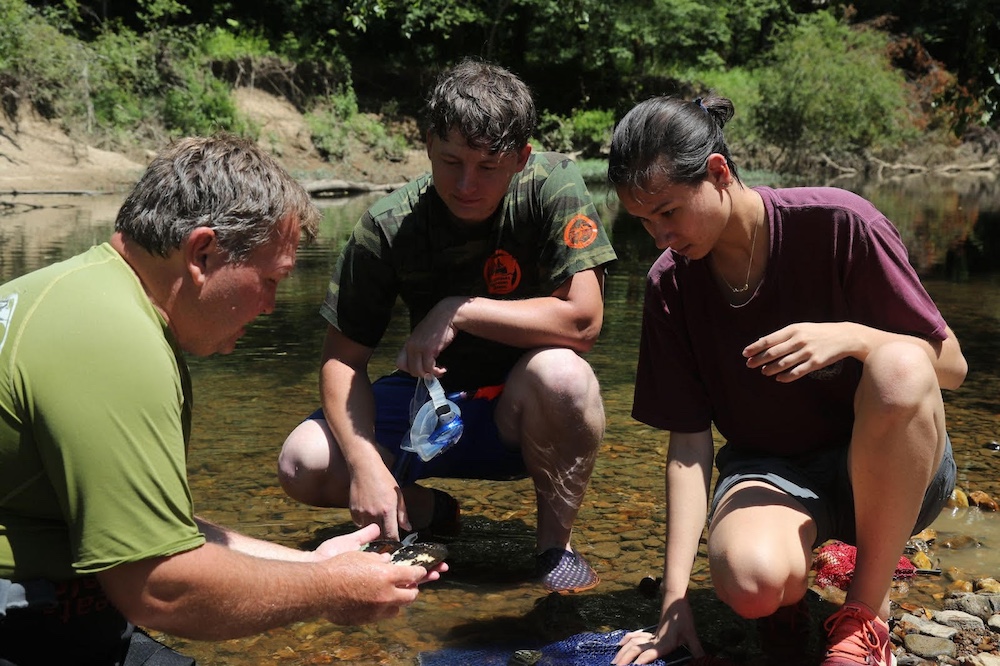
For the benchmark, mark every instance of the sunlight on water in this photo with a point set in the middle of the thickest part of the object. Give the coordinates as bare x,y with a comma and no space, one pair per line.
976,557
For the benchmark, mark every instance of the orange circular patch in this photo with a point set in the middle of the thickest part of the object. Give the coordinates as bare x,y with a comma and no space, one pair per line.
502,273
580,232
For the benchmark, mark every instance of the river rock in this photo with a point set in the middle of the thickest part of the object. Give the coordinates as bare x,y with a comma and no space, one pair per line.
959,499
959,620
921,561
929,647
911,623
983,501
983,606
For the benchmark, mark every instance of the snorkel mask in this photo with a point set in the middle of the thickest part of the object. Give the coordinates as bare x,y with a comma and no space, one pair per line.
436,423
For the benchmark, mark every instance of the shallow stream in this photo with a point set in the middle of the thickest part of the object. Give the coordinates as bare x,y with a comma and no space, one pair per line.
245,404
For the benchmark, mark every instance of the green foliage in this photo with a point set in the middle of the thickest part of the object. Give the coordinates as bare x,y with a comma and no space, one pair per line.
122,84
158,13
798,77
201,104
124,91
592,130
40,67
374,135
14,14
587,132
337,121
963,36
163,78
742,87
555,132
829,88
593,170
224,44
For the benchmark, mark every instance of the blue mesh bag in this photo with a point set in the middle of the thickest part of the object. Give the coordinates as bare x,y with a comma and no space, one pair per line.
586,649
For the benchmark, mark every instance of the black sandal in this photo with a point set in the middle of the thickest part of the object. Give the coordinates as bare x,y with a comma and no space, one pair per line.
446,518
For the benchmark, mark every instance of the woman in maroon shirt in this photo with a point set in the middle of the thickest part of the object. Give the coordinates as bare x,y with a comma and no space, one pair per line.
792,322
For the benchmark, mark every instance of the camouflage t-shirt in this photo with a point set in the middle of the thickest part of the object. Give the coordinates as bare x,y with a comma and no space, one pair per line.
408,245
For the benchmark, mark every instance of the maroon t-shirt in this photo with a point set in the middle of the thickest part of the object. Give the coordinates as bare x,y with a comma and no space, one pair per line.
832,257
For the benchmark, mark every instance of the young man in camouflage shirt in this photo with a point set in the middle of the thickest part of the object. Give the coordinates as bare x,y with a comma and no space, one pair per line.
499,256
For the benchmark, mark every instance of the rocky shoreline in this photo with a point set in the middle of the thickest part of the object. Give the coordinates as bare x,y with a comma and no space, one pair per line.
965,629
938,616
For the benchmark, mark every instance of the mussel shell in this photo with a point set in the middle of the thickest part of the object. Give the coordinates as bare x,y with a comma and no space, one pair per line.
525,658
382,546
425,555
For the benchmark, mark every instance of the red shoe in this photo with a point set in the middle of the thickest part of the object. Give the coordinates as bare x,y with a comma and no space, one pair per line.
857,636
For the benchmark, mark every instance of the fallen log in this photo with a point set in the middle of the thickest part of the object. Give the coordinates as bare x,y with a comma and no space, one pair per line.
977,166
70,193
828,161
313,187
343,187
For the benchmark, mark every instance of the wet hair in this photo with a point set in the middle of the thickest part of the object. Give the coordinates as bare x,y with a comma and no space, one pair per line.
223,182
671,137
491,107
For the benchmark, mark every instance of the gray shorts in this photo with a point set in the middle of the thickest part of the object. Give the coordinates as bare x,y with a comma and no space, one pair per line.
822,484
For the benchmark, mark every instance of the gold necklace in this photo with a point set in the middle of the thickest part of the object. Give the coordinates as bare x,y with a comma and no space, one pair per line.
746,283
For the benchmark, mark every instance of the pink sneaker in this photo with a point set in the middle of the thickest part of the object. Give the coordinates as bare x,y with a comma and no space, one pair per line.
856,635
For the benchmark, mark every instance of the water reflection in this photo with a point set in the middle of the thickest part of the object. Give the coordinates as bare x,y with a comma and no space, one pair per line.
247,401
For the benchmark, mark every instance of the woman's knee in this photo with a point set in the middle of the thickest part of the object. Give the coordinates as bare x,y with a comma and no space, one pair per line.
754,582
759,549
898,376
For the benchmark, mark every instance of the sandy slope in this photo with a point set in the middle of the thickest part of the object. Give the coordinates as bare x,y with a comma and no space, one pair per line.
36,154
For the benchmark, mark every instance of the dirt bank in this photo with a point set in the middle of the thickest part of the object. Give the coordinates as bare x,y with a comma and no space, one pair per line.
36,154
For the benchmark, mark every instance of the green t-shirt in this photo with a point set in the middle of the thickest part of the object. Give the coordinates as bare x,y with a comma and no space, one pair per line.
95,403
408,245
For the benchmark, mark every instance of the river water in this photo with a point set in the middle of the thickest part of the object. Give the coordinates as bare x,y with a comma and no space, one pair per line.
246,402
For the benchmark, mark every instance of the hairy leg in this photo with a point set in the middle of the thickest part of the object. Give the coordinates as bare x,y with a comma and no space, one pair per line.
552,408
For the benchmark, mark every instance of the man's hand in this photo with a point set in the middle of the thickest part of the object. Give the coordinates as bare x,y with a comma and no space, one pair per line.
377,499
369,588
346,543
429,338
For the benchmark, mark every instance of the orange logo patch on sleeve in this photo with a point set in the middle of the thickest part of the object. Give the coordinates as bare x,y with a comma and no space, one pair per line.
502,273
580,232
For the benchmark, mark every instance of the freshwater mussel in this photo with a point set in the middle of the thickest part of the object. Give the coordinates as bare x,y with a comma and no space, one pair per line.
421,553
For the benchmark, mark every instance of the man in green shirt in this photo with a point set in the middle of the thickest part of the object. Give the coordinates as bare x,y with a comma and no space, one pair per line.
499,255
97,529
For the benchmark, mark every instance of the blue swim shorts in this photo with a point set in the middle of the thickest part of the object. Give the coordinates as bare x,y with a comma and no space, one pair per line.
479,454
822,484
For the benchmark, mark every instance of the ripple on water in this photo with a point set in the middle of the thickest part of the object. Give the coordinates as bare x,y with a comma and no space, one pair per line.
976,557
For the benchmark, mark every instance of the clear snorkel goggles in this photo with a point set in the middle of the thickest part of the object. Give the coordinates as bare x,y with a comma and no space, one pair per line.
436,423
